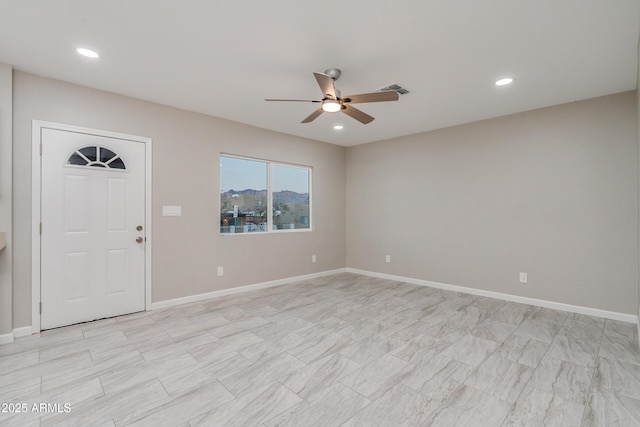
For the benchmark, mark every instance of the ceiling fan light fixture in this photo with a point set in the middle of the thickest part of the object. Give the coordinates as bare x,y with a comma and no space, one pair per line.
331,106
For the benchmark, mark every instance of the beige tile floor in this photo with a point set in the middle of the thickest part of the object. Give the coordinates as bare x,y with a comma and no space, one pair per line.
342,350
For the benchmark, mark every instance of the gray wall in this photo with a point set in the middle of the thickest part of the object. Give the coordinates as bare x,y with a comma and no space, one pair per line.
186,147
551,192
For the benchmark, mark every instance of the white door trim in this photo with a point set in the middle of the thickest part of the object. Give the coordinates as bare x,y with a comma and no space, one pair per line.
36,193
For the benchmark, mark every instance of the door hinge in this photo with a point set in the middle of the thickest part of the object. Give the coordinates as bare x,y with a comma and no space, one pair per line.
40,308
41,148
41,229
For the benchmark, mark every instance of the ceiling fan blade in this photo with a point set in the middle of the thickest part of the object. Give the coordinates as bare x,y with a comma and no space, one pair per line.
292,100
354,113
326,85
313,116
385,95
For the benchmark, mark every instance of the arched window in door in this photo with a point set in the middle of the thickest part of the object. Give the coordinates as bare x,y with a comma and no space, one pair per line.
96,156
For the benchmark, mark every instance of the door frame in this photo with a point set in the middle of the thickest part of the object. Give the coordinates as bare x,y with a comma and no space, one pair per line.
36,207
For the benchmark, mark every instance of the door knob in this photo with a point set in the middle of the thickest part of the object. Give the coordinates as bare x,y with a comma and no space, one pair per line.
139,239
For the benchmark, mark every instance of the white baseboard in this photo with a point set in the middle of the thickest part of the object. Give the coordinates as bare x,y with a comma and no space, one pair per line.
6,338
16,333
623,317
25,331
240,289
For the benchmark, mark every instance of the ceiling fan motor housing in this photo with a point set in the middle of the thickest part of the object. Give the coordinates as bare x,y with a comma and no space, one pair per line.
334,73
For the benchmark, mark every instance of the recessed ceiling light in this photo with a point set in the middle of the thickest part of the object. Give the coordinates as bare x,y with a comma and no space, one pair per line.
87,52
338,127
505,81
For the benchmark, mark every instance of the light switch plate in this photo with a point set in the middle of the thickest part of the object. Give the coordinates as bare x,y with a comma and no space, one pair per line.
172,211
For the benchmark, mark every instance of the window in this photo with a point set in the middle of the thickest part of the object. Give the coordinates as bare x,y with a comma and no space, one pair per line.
258,196
96,156
290,196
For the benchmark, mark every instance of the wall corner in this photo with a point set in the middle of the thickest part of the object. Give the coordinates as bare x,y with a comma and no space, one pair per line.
6,204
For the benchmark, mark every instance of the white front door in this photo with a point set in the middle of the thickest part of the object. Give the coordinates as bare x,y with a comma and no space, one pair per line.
93,227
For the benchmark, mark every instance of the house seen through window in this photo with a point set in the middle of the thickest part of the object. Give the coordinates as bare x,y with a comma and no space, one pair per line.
258,196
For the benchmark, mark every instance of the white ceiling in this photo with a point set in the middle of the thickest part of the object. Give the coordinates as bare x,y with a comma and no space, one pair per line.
223,58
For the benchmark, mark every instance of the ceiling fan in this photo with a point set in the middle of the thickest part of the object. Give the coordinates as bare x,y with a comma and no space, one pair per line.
332,102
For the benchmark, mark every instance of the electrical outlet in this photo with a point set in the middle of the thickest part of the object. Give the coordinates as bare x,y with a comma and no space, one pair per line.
313,258
220,271
387,258
523,277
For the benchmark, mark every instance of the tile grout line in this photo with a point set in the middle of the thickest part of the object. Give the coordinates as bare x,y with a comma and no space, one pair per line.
540,361
484,360
534,369
593,376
